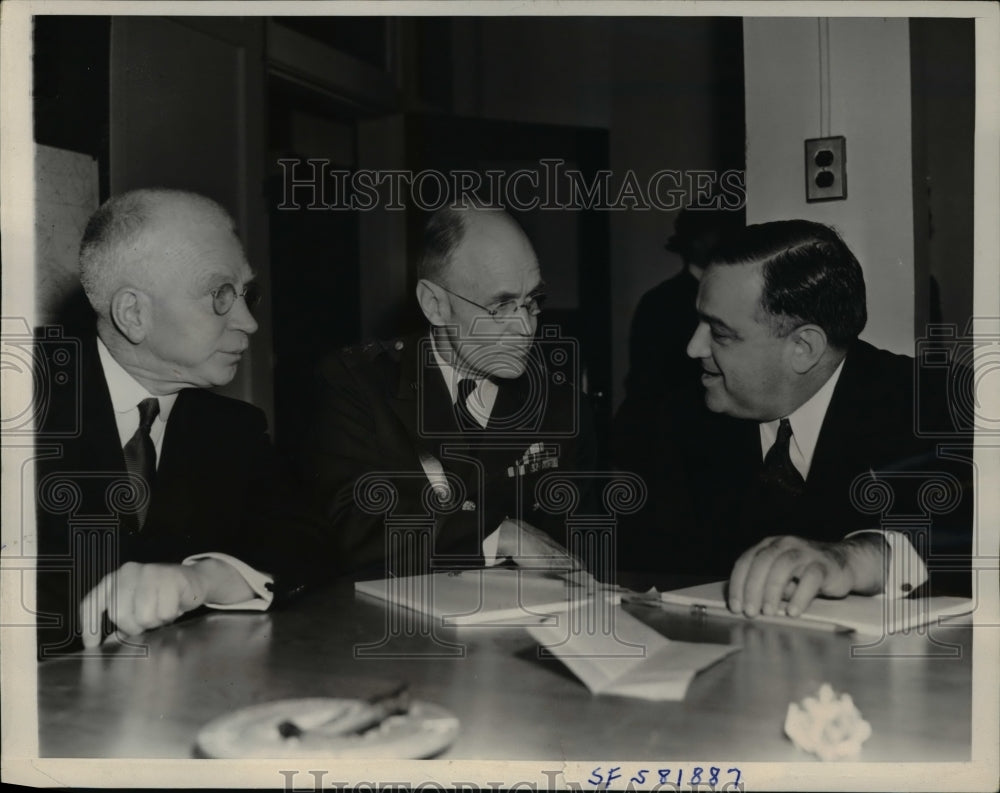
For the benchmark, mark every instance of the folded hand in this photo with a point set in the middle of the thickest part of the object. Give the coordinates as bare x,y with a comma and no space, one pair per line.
139,597
797,570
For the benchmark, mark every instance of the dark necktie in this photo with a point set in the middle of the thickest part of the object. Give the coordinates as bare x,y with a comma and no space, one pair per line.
781,480
466,421
140,454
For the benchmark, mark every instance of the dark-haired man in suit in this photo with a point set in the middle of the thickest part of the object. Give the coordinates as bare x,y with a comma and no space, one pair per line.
763,476
468,411
144,513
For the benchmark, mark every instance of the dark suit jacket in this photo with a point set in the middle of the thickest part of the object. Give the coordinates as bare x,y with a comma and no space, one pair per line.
702,471
215,489
382,406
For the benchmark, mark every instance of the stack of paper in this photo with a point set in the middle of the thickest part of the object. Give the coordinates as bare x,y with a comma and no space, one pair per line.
868,616
628,658
493,596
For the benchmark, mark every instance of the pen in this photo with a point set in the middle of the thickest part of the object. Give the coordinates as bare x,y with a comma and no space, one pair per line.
701,611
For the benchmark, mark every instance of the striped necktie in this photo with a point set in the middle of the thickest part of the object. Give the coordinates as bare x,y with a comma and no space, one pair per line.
779,477
140,454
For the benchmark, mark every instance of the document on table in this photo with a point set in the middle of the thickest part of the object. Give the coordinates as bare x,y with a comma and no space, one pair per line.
868,616
491,596
628,658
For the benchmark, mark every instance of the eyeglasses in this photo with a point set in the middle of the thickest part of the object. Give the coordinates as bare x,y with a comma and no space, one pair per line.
533,305
223,297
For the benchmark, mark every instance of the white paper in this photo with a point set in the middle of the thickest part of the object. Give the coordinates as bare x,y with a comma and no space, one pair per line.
630,659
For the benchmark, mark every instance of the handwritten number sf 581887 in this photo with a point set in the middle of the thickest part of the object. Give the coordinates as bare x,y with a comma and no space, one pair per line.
697,777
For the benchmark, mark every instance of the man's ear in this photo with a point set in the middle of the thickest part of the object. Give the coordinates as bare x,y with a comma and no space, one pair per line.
809,342
131,313
433,302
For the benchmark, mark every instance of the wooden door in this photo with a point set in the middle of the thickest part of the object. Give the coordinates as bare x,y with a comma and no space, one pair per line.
186,106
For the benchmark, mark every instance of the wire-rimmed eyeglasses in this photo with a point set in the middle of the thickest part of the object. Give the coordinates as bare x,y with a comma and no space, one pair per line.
504,310
223,297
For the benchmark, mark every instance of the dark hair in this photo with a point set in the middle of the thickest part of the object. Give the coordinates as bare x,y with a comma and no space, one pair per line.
442,234
810,276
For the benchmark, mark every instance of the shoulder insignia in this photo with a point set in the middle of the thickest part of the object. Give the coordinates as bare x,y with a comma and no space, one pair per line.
393,348
373,350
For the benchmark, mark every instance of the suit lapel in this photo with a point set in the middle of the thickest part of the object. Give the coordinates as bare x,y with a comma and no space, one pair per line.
423,416
726,460
419,399
844,423
178,456
99,447
510,404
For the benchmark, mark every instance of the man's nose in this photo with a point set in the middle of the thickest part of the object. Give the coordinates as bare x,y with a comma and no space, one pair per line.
522,322
240,317
698,346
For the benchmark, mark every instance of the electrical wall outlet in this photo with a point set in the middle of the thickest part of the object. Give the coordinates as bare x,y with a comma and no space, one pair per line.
826,169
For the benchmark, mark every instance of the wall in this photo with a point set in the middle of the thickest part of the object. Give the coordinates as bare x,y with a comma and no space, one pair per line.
541,70
382,233
870,105
653,82
942,77
66,190
664,116
186,110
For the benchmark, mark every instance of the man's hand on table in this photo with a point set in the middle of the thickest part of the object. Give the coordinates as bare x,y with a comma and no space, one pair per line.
797,570
140,597
532,548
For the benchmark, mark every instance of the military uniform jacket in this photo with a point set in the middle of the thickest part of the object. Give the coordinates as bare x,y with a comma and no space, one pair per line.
406,488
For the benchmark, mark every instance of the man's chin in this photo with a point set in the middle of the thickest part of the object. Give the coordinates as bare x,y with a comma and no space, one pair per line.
223,376
715,402
506,364
507,371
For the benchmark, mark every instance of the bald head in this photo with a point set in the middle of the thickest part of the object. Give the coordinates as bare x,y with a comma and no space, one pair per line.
462,243
137,239
167,277
479,279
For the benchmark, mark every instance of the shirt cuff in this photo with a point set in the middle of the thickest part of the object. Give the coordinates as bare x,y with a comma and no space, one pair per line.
257,581
906,571
490,545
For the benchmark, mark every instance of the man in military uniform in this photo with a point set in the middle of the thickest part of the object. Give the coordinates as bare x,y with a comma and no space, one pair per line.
429,448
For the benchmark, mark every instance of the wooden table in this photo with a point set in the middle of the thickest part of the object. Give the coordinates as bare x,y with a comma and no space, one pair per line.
511,703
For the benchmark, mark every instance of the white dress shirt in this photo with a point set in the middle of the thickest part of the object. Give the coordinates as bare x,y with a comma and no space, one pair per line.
480,404
907,570
126,394
481,399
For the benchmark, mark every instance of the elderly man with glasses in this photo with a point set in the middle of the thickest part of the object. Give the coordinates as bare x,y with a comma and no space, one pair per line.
428,449
143,510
